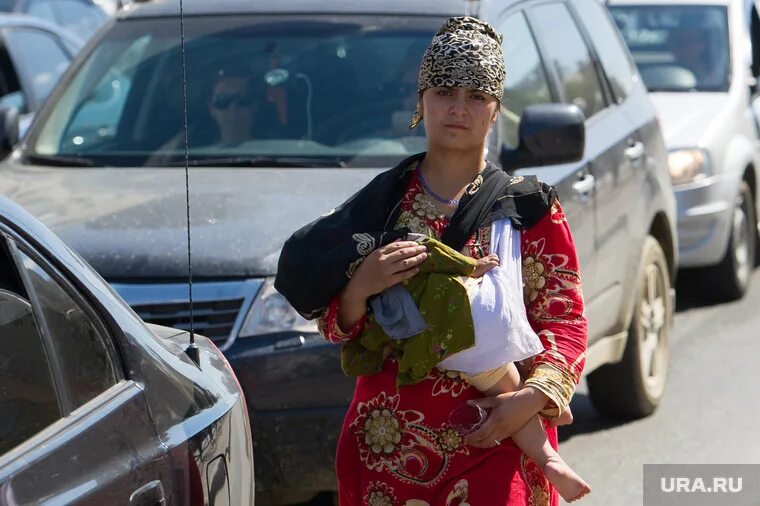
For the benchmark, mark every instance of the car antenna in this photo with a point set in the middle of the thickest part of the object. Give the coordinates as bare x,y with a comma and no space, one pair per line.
192,349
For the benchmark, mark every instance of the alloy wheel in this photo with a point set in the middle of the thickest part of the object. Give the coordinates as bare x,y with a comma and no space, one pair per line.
740,232
653,321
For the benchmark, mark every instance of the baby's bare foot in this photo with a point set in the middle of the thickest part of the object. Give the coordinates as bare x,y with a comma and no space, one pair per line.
569,485
484,265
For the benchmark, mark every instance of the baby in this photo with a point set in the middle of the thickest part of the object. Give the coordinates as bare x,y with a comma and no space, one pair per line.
505,378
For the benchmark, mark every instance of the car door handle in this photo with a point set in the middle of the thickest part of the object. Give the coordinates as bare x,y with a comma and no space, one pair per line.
150,494
635,151
584,185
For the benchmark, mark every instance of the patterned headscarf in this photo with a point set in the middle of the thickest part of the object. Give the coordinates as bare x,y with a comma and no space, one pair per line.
465,52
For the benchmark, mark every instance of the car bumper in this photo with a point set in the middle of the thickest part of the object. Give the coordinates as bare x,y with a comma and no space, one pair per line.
295,449
704,217
297,397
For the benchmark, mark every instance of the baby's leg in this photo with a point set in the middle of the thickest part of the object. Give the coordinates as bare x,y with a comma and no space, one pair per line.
496,381
531,439
512,383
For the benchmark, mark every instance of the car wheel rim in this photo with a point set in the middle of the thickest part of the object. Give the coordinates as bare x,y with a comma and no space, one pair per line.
653,324
740,241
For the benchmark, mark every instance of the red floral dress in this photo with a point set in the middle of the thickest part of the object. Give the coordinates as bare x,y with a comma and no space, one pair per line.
396,446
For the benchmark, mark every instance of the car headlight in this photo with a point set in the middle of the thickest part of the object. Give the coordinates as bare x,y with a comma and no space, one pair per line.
271,312
687,165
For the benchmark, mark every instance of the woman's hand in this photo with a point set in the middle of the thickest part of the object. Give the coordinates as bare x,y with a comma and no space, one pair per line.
384,267
509,413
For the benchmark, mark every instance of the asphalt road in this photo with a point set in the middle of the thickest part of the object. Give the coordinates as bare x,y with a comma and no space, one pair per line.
710,413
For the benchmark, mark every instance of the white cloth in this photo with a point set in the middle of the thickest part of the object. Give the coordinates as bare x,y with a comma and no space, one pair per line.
502,331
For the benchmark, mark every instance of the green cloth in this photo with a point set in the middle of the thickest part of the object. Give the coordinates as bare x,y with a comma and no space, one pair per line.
443,302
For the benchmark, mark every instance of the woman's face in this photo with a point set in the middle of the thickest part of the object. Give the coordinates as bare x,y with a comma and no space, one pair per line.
458,118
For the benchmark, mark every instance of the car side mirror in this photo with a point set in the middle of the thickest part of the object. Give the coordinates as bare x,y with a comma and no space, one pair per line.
9,130
549,134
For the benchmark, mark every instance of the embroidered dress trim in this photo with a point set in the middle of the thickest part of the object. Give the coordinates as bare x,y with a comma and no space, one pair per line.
556,383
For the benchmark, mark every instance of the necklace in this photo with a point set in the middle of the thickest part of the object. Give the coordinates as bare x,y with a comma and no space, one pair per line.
451,202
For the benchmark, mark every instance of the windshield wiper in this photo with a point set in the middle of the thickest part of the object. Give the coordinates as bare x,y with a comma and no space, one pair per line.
662,89
260,161
61,161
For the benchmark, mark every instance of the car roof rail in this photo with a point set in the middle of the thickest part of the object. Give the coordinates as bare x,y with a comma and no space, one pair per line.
126,3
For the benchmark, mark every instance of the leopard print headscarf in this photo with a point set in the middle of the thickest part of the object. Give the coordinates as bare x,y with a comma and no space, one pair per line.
465,52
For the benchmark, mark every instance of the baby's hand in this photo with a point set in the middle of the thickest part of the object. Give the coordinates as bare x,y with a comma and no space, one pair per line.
484,265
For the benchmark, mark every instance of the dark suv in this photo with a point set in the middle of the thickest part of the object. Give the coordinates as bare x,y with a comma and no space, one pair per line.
292,107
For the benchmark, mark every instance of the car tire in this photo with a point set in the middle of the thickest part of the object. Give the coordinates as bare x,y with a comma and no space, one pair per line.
633,387
730,279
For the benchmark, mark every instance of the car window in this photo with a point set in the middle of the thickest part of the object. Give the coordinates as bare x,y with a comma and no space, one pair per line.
569,55
101,113
83,348
677,47
81,18
754,30
526,82
317,89
39,59
28,400
609,46
42,9
10,88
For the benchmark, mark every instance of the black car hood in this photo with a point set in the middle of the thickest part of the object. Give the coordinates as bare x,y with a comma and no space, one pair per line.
129,224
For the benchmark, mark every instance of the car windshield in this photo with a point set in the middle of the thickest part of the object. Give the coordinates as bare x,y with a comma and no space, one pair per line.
81,17
677,48
261,90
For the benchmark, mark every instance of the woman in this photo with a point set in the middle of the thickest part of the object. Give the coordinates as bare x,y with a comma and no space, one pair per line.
397,446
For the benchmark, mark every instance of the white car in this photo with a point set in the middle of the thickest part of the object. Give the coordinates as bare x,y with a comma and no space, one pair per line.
700,63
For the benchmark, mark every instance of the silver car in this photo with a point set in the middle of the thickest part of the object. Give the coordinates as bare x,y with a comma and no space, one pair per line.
700,65
36,53
83,17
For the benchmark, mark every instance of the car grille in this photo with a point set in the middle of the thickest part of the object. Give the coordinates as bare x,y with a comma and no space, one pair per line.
213,319
219,308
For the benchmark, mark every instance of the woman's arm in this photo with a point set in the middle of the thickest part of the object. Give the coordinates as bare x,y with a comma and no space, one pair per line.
331,324
353,308
554,306
382,268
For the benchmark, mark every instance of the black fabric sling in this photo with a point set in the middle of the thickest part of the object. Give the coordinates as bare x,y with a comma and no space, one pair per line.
473,208
318,259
